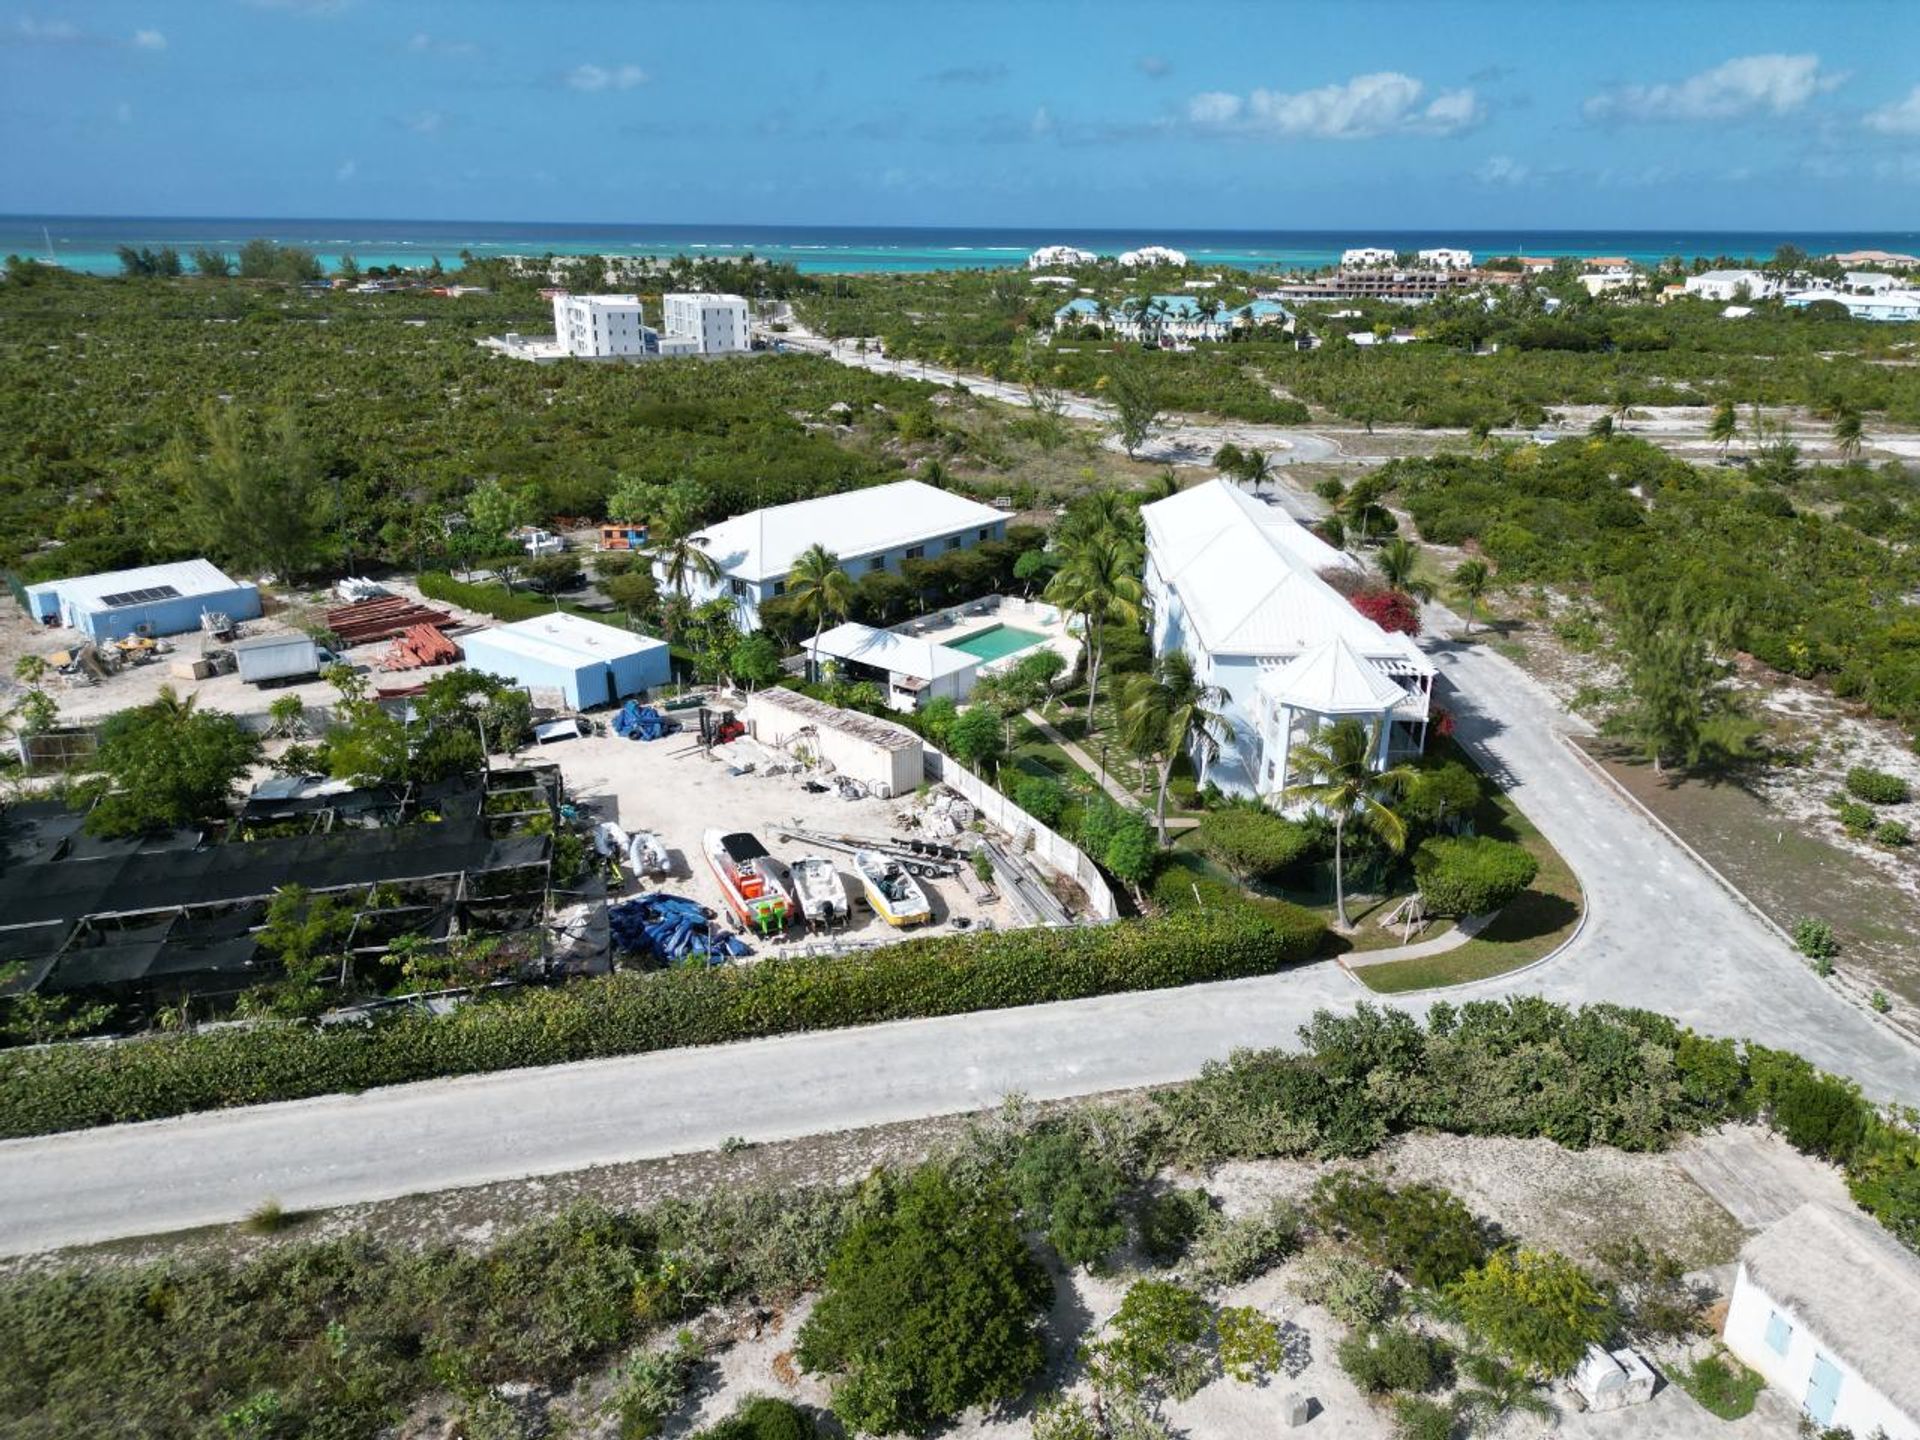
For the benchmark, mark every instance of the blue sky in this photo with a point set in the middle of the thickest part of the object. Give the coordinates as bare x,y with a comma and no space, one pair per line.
1206,113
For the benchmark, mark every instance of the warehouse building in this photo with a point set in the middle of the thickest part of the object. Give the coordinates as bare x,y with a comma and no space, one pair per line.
152,600
584,663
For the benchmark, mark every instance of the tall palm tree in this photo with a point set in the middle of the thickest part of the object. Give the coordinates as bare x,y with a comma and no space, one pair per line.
1169,711
1099,513
1098,580
683,560
1257,469
1399,564
1620,403
818,587
1847,432
1722,428
1471,581
1340,782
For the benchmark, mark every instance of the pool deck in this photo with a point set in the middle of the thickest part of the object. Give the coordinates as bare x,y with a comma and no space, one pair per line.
947,626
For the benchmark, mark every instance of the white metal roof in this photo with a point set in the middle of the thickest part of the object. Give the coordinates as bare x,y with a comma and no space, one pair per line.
898,654
763,544
1247,574
566,639
184,577
1332,679
1853,1285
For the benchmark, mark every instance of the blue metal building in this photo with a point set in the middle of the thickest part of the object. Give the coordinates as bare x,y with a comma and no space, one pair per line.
590,664
152,600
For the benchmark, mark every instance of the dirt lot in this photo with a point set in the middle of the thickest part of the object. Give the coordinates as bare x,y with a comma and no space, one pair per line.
673,786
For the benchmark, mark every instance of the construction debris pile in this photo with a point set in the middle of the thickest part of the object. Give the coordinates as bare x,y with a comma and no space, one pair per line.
419,647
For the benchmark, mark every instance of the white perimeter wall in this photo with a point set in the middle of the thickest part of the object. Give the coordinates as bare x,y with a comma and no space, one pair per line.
876,766
1050,848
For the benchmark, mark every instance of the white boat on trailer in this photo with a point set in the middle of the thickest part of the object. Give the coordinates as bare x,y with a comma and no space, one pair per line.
895,895
821,892
749,880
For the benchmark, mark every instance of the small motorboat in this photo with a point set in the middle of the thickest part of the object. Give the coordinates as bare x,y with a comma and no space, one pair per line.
749,880
647,853
895,895
821,892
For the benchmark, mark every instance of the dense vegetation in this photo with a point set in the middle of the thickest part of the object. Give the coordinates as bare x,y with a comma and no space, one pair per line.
345,1336
69,1087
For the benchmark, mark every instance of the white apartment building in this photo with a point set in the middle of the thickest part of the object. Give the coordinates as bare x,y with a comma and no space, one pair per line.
705,324
1447,259
1366,257
1048,256
1725,285
598,327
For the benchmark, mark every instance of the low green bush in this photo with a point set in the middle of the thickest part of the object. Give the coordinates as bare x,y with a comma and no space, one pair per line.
761,1417
1422,1231
1183,883
1721,1384
1231,1252
1069,1194
1471,875
1253,844
1415,1418
1347,1288
1813,938
1169,1223
71,1087
1535,1307
1893,833
1856,819
495,600
1391,1360
1044,799
1877,787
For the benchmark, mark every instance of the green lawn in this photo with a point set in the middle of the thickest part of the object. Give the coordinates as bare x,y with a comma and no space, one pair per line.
1534,925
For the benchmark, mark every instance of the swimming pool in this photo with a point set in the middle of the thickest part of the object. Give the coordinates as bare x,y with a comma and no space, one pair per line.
995,642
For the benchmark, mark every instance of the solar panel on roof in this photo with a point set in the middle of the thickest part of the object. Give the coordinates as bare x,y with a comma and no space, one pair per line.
139,597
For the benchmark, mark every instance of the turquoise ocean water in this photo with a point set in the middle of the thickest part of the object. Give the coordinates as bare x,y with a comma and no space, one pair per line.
90,243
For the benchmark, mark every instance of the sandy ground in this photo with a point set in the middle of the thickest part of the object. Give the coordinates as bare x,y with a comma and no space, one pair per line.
673,786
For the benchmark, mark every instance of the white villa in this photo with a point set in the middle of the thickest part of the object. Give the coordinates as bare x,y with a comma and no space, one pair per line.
1236,584
1367,257
599,327
1824,1306
878,528
1179,318
1148,255
1725,285
1894,305
1442,259
1048,256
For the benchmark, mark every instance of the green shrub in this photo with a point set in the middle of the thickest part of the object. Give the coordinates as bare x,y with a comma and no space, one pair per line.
931,1305
1855,819
1813,938
1156,1343
1721,1384
1877,787
761,1417
1231,1252
1536,1308
1183,883
652,1386
1471,875
1349,1289
1044,799
1170,1221
1071,1196
1422,1231
71,1087
1894,833
1251,1345
1389,1360
1820,1115
1415,1418
495,600
1253,844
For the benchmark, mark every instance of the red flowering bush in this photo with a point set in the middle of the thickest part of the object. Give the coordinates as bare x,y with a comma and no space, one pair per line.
1391,610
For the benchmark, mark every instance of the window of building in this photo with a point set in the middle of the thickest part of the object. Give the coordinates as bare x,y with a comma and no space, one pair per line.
953,542
738,587
876,564
779,587
985,535
916,552
1779,1333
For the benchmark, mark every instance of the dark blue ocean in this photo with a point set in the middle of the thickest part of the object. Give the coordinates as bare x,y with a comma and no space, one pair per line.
89,243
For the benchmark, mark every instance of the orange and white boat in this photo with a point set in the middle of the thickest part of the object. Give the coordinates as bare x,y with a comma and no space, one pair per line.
750,880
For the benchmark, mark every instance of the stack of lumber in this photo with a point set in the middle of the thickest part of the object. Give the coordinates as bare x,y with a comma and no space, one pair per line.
384,617
420,646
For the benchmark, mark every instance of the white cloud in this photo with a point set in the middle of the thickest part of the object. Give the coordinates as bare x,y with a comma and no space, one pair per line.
421,43
1745,86
604,77
1385,103
346,170
1503,170
425,122
1901,117
29,31
149,40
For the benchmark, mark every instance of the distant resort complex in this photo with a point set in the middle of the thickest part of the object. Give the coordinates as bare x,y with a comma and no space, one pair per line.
613,327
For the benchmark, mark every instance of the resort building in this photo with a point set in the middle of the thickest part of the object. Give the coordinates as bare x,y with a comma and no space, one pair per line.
151,600
1367,257
599,327
1868,282
1726,285
880,528
908,670
1891,258
1446,259
1236,584
1048,256
1409,286
1150,255
705,324
1894,305
1823,1307
580,663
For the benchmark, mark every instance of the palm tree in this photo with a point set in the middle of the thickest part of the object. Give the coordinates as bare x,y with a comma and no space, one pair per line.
1169,711
1471,581
818,587
1257,469
1722,428
1340,782
1601,428
1399,563
683,559
1619,405
1098,580
1847,432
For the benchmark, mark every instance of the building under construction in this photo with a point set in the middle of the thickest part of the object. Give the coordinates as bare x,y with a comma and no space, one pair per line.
146,923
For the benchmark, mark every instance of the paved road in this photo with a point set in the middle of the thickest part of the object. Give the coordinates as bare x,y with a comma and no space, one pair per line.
1660,933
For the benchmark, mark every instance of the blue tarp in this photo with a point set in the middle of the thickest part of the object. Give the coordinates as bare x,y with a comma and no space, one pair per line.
642,722
672,930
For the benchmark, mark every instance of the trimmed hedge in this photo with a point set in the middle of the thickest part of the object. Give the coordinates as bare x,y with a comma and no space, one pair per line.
71,1087
1254,844
495,600
1473,875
